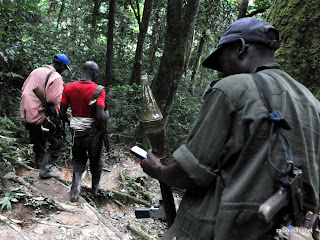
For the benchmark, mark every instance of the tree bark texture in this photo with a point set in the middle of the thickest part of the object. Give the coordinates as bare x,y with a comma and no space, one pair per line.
158,24
197,62
109,67
243,8
298,23
95,12
51,9
143,27
63,4
179,28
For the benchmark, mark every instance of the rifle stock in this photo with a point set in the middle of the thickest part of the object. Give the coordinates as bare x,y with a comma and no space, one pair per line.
50,111
273,205
39,93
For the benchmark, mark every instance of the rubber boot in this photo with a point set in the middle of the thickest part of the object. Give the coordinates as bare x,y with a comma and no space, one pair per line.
95,184
38,160
76,186
47,164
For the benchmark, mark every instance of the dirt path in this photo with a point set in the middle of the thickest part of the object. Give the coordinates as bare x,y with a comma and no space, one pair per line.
83,219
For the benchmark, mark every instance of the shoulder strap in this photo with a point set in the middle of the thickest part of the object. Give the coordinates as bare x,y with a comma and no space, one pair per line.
265,95
45,84
96,92
263,90
277,123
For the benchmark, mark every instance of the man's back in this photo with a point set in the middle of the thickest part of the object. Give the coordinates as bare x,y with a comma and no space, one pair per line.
231,134
30,103
78,95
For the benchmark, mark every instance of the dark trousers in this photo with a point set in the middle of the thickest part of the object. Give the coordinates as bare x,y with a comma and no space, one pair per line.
87,146
39,139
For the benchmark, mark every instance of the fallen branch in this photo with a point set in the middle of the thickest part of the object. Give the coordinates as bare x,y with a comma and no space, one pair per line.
122,177
113,233
13,226
126,196
55,224
116,193
139,232
60,206
17,179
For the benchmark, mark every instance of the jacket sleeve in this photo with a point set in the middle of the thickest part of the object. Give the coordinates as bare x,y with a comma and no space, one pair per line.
200,156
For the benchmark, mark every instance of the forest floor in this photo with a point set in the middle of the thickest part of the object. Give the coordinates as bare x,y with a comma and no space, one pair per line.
44,211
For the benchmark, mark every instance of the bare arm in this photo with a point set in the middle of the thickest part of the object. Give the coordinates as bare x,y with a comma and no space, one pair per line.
63,113
172,175
101,115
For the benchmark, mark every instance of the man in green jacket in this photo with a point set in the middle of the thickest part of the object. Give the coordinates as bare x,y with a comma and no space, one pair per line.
224,163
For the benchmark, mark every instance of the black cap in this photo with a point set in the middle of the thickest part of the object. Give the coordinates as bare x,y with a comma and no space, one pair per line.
251,30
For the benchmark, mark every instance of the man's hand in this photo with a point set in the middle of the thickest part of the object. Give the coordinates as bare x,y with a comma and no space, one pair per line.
151,165
172,175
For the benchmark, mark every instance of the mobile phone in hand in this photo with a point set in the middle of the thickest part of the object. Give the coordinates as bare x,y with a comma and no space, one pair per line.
139,152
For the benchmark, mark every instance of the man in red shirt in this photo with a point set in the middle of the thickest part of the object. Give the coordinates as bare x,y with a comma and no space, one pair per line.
50,82
87,125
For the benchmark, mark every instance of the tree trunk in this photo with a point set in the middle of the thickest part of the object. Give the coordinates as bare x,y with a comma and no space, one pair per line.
74,24
171,67
95,13
143,27
299,28
243,8
109,67
51,9
197,63
63,4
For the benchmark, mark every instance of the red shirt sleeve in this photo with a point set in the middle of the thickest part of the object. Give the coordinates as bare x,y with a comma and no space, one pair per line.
101,98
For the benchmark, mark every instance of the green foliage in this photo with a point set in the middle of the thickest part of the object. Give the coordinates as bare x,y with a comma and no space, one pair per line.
185,108
12,196
11,148
15,195
40,204
137,186
123,103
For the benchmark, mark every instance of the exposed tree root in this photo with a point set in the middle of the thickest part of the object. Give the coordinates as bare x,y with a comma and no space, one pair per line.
113,233
139,232
116,194
13,226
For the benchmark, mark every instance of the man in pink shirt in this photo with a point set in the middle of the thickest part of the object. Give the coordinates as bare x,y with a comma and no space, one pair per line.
50,82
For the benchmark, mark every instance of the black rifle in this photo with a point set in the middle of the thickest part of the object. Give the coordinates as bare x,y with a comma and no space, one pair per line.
92,106
53,122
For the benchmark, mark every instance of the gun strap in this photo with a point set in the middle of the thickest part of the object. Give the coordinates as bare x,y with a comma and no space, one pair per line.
96,92
277,124
45,84
263,90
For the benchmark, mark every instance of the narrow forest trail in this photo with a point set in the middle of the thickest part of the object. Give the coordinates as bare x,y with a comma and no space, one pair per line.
114,218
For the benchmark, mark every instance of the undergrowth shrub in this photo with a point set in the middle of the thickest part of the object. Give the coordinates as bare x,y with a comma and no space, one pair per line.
12,149
123,103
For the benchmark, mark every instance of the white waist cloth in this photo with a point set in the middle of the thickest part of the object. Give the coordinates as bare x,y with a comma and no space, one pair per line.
81,123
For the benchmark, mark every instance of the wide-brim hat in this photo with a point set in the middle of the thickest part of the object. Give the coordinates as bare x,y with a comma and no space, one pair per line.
250,29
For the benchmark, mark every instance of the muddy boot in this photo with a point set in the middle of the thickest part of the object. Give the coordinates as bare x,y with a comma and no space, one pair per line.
38,160
95,184
47,164
76,186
